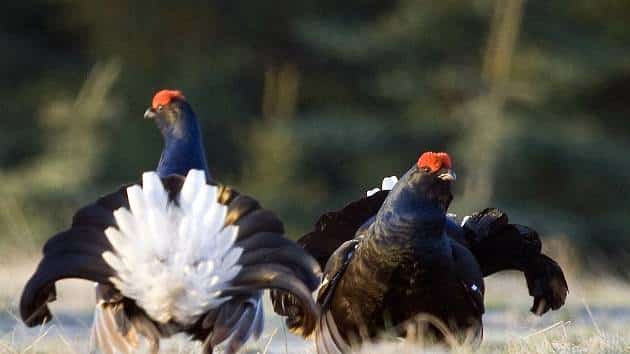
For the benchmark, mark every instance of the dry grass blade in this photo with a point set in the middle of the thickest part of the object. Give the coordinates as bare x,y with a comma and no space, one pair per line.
275,330
547,329
590,315
37,340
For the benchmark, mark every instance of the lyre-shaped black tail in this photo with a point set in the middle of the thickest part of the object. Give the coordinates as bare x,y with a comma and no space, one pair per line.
268,261
74,253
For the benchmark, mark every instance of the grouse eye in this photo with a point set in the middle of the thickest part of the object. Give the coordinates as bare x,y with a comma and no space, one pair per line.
160,108
426,170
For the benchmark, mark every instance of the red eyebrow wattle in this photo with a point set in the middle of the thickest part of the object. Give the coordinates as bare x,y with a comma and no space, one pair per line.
435,161
165,97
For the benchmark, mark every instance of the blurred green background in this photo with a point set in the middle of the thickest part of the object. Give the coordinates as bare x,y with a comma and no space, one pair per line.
307,104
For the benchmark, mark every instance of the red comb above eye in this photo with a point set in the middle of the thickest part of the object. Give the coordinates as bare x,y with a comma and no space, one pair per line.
165,97
434,161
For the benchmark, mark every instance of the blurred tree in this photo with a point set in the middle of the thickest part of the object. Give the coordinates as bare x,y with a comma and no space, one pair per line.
51,184
308,104
485,122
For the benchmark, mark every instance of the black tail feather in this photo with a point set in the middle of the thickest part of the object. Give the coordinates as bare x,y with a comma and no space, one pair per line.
227,318
260,220
264,240
289,256
244,329
274,276
239,206
40,289
74,253
269,261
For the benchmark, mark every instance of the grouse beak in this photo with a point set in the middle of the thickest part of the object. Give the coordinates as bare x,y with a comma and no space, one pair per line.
449,176
149,113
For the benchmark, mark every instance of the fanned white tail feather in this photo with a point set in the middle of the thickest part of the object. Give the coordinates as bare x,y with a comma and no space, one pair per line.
173,259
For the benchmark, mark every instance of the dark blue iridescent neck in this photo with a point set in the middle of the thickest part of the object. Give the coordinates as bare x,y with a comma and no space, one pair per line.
183,146
409,212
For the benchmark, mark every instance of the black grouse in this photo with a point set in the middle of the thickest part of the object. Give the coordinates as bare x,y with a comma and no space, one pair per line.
495,243
176,253
396,264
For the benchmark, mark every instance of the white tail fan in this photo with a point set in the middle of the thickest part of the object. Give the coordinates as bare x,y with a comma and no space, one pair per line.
173,258
387,185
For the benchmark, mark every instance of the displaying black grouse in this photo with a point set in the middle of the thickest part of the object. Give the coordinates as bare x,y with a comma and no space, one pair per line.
399,264
174,254
495,244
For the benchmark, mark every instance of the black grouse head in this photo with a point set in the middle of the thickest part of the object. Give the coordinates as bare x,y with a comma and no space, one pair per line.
431,177
171,112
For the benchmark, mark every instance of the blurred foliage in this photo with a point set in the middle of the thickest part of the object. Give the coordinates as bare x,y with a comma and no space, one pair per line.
308,104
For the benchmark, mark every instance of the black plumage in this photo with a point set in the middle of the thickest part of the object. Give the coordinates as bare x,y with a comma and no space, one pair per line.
184,150
119,324
487,236
268,261
396,265
499,245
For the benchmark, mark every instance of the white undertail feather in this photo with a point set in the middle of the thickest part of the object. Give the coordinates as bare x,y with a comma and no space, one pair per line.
173,259
387,185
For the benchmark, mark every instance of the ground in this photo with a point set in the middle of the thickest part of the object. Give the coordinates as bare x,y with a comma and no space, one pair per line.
596,319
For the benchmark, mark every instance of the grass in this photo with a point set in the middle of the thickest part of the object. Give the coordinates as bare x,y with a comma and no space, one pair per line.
596,319
578,342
